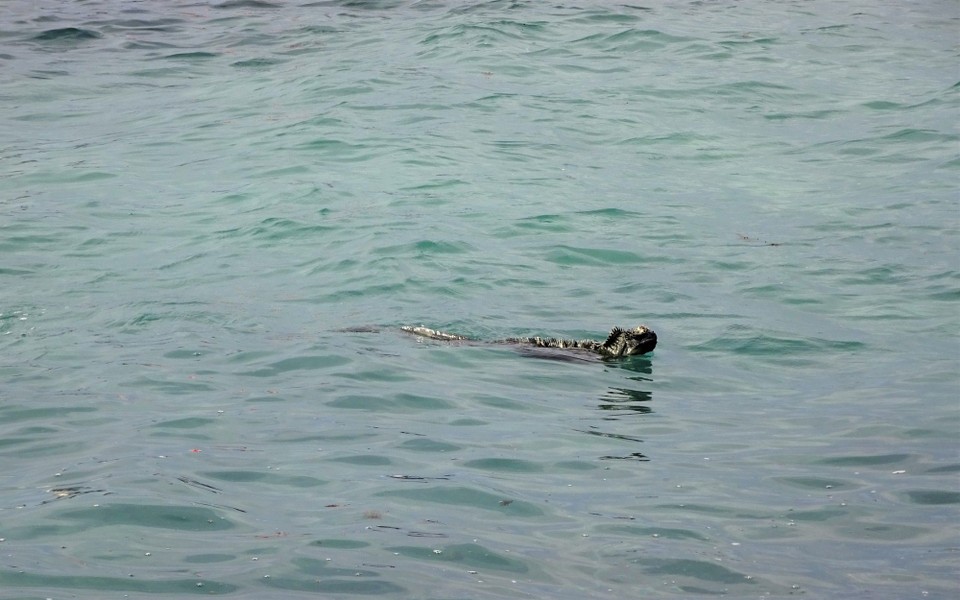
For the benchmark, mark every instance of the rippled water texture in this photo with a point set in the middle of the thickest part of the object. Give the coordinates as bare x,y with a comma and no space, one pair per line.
214,217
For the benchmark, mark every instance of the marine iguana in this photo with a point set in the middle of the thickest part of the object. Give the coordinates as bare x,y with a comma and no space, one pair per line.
620,342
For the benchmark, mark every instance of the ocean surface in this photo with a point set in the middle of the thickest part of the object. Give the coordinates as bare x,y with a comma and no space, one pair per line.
215,216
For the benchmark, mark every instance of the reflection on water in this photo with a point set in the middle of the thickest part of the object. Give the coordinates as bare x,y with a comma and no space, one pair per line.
638,456
624,399
609,435
632,400
619,402
70,491
636,364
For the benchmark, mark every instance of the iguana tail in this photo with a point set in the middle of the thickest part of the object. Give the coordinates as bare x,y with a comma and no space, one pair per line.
433,334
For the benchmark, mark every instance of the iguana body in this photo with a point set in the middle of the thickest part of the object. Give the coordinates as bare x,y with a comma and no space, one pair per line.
620,342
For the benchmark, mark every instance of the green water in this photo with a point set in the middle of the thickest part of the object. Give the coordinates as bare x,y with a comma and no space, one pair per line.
196,199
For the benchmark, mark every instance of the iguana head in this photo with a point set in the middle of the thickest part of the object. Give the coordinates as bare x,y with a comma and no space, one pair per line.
629,342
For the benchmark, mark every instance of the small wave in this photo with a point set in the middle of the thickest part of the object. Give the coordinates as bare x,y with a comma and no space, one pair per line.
245,4
191,55
762,344
67,34
162,24
572,255
629,40
933,497
273,229
257,63
425,248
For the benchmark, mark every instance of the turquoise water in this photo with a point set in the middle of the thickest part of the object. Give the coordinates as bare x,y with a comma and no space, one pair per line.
196,199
